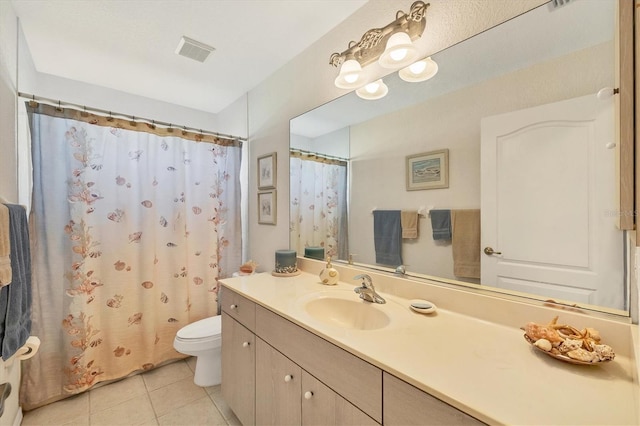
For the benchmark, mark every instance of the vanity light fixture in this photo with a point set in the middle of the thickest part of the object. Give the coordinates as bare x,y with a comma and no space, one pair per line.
374,90
391,46
419,71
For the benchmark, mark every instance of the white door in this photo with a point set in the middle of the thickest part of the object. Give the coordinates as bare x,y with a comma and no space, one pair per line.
549,202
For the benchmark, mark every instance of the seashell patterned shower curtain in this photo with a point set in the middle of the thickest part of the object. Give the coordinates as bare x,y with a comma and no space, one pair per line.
318,211
131,231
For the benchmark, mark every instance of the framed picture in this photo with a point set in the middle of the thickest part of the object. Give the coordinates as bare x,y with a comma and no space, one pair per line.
267,203
429,170
267,171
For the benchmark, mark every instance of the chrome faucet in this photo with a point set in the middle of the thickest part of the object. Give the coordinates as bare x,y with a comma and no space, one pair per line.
366,290
401,270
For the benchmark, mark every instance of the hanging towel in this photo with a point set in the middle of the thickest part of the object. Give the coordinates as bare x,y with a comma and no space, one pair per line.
441,224
409,222
5,247
466,243
387,237
15,299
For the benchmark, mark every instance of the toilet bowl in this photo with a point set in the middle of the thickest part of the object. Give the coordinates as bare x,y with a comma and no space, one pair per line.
203,340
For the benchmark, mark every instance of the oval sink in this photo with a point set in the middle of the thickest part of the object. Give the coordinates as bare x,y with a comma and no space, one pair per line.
345,310
356,314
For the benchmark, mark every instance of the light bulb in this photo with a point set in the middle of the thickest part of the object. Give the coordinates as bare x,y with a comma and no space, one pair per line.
373,90
351,78
349,75
398,54
419,71
372,87
399,51
418,67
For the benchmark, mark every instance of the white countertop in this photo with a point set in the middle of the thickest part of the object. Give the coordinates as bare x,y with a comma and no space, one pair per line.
485,369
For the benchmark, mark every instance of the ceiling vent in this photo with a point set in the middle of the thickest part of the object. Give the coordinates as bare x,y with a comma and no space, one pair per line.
193,49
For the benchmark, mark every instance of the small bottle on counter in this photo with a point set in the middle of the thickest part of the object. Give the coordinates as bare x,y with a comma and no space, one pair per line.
329,275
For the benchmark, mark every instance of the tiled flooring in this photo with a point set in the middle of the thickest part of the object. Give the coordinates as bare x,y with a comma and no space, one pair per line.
164,396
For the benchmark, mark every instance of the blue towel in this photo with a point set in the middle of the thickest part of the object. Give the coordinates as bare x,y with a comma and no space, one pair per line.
441,224
387,237
15,299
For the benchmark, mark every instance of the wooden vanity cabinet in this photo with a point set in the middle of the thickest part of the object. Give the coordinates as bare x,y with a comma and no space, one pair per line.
322,406
238,369
238,355
288,395
352,378
275,372
278,387
405,404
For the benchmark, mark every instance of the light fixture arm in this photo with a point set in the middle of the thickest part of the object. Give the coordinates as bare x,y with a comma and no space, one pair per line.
373,42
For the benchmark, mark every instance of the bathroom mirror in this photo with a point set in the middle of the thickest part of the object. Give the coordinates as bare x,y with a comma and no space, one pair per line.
547,61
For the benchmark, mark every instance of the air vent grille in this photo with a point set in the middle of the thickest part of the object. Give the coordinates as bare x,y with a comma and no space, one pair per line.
193,49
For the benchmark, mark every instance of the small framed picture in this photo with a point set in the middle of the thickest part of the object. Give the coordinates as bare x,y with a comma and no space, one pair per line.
267,203
267,171
429,170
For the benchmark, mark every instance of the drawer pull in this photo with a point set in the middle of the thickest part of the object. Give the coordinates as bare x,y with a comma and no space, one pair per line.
308,395
233,307
288,378
245,344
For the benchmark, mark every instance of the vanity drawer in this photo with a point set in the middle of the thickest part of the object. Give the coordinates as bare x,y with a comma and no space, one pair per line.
238,307
405,404
354,379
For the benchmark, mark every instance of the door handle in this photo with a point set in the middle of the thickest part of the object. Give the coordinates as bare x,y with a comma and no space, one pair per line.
489,251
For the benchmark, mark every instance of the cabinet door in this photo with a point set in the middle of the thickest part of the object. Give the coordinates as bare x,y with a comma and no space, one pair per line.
405,404
321,406
278,384
354,379
238,369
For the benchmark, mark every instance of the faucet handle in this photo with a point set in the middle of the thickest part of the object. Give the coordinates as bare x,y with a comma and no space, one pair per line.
366,280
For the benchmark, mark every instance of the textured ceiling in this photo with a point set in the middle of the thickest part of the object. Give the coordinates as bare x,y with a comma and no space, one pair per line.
129,45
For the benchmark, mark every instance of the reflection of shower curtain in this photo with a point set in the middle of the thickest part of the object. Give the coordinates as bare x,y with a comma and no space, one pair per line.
318,206
131,232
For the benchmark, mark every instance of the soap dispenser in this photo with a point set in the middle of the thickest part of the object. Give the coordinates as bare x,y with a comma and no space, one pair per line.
329,275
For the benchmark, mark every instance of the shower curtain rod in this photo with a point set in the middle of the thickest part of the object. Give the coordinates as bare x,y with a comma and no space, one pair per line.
83,108
316,155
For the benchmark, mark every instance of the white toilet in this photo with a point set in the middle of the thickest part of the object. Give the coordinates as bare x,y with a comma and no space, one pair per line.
202,339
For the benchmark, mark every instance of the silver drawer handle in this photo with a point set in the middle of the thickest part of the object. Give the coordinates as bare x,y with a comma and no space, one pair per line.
245,344
308,395
288,378
233,307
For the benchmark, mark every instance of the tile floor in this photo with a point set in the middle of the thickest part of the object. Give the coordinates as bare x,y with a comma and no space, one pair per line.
164,396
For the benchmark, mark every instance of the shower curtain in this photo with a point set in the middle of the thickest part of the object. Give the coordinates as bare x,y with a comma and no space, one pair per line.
131,231
318,197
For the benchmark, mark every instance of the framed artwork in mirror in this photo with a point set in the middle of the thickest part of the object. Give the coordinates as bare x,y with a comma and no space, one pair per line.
428,170
267,203
267,171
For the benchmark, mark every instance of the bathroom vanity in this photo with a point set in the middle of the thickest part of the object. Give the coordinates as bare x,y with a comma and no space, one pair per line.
293,354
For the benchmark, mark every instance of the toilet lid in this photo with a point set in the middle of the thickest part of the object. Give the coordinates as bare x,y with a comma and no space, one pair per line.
207,327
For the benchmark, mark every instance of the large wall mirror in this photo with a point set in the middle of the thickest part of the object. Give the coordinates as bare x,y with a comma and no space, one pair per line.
531,163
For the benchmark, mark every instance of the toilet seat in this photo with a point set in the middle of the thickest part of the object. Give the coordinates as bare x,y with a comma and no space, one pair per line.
205,329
